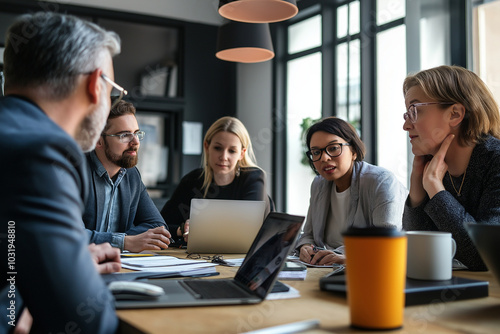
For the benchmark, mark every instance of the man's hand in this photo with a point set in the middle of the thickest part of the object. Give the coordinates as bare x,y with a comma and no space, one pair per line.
24,323
153,239
106,258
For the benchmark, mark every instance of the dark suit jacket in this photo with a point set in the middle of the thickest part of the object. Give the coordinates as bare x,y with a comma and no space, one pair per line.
44,182
138,212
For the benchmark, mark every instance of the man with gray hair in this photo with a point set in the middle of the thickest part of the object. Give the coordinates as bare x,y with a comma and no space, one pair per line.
58,81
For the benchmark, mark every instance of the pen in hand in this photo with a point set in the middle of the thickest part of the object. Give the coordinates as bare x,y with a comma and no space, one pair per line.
315,250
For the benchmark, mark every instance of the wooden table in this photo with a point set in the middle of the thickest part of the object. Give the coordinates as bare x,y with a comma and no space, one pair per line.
470,316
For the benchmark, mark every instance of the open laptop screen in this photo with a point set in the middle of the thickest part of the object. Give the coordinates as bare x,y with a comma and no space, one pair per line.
224,226
268,252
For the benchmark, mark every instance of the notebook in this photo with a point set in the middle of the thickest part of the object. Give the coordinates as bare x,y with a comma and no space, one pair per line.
224,226
420,292
251,284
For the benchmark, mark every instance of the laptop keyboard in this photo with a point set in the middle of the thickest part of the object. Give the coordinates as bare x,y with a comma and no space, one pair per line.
216,289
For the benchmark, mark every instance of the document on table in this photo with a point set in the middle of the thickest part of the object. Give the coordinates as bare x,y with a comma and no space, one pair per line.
291,293
165,264
234,262
294,327
158,261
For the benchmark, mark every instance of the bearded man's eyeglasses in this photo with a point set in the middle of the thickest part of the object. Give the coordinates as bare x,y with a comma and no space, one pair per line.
127,137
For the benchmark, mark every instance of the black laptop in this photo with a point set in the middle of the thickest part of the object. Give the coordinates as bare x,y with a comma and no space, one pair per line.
420,292
253,281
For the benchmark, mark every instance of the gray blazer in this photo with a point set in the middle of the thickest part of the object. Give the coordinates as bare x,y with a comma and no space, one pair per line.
377,199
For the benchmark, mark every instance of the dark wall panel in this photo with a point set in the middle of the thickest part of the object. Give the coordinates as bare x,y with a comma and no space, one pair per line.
209,82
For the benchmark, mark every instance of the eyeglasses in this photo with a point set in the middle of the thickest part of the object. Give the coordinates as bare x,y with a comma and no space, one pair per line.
412,109
117,92
333,150
214,259
127,137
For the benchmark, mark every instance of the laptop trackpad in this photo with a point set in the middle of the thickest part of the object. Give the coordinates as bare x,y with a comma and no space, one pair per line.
173,290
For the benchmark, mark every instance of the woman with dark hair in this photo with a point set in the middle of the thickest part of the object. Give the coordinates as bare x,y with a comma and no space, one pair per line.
347,192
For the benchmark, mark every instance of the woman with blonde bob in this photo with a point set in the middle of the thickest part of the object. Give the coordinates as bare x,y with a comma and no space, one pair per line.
453,123
229,172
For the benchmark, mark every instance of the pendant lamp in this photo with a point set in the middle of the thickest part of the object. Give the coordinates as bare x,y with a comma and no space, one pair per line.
244,42
258,11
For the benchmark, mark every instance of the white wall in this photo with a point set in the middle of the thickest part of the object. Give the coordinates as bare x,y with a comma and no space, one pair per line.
201,11
254,104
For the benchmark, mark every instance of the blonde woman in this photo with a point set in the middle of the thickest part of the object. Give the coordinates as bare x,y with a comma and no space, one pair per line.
453,124
229,172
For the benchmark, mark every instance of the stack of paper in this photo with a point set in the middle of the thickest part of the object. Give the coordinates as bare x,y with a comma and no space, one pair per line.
291,293
169,265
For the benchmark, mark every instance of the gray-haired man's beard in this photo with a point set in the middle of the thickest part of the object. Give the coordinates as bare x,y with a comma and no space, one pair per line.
92,126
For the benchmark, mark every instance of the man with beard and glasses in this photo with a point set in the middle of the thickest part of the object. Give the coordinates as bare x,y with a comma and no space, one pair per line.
58,81
118,209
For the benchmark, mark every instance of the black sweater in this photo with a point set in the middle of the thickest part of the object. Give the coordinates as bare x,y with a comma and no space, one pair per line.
479,203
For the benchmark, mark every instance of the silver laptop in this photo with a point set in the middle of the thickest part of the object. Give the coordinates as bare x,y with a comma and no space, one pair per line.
224,226
253,281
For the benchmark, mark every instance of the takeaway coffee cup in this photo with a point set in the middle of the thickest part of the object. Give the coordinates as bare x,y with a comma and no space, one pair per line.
376,277
430,255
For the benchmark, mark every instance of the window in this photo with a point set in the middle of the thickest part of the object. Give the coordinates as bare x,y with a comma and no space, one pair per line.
391,67
303,101
348,80
304,35
486,48
390,10
356,72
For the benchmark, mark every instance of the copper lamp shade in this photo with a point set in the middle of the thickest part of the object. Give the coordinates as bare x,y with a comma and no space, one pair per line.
258,11
244,42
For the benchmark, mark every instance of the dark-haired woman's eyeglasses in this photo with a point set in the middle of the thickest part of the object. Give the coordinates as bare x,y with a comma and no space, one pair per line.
333,150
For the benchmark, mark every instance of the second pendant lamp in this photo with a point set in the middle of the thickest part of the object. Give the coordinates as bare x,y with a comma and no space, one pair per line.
244,42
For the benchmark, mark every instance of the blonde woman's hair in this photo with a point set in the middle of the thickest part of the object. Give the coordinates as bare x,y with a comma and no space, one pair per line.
236,127
459,85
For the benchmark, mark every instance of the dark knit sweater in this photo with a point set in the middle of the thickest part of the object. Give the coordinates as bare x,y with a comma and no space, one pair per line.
479,203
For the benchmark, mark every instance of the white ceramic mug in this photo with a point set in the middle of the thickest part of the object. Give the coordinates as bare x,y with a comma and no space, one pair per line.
430,255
